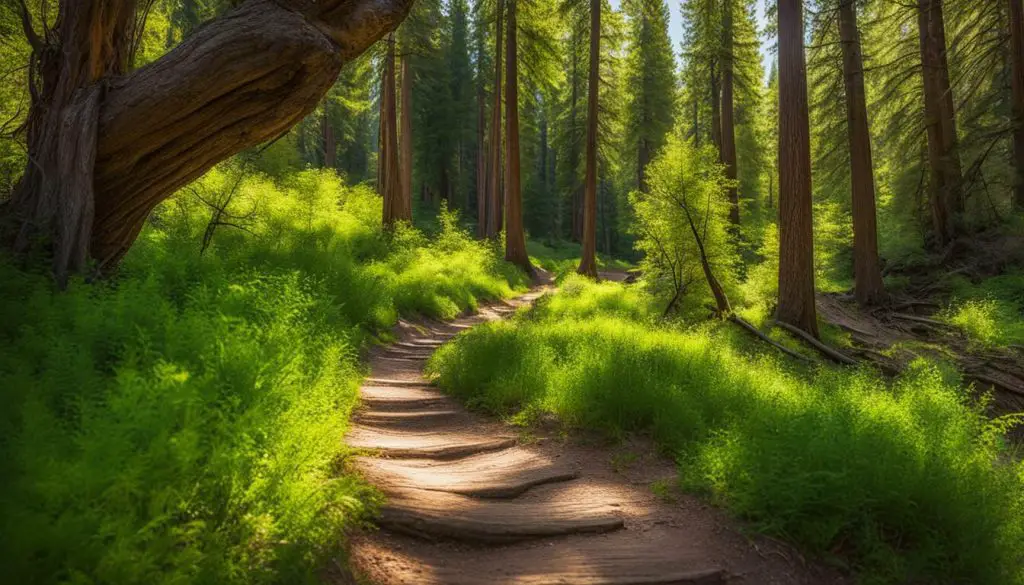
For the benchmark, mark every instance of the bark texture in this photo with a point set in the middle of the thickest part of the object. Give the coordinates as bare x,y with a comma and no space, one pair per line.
494,165
868,287
796,239
134,138
728,135
946,200
515,236
1016,13
481,148
588,262
390,170
405,141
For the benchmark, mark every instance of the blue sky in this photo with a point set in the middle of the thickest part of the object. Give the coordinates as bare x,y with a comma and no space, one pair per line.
676,28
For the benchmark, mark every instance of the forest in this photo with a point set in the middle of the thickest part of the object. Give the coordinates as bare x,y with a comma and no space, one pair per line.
512,291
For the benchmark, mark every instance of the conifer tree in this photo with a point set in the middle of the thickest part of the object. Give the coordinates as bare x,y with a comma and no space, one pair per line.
796,253
651,81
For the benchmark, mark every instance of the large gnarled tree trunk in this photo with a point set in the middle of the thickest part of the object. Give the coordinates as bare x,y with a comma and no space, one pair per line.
796,236
515,236
588,263
940,119
106,146
868,287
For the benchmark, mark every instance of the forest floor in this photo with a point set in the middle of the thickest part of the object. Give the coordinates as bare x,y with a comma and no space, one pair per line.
892,337
470,499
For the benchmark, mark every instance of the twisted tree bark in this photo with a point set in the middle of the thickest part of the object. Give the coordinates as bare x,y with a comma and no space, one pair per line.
106,146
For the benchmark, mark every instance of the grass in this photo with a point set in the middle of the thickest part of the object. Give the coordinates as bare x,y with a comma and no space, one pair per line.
905,480
182,422
563,258
990,313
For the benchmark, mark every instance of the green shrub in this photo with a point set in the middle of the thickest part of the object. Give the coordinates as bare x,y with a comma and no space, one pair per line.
909,480
182,422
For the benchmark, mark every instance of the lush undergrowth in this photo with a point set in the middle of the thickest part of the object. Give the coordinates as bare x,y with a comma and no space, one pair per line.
907,479
991,313
182,422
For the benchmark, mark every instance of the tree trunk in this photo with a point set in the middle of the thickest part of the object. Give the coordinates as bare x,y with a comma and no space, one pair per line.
575,197
943,158
330,143
643,158
481,158
106,147
728,113
588,263
515,235
796,238
722,304
406,142
716,108
391,175
868,287
494,209
1016,13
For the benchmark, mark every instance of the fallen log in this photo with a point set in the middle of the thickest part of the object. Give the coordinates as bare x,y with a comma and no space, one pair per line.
821,347
753,330
918,319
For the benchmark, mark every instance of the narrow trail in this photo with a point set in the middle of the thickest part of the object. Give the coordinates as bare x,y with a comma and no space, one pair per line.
470,501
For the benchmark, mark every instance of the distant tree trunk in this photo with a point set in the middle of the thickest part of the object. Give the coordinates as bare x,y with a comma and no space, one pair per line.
1016,12
481,158
515,235
588,262
696,121
728,116
405,163
107,145
796,238
643,158
330,144
494,173
868,286
391,175
943,158
575,197
716,108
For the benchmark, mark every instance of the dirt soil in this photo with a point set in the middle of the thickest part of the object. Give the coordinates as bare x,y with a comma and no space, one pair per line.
471,500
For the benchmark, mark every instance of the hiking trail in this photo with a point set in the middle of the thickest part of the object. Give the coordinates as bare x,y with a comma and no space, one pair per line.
471,500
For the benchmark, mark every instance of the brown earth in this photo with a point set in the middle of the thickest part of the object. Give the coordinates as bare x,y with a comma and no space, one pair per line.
471,500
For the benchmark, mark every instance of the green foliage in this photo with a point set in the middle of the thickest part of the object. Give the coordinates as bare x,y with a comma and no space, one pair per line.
909,480
684,184
990,313
182,423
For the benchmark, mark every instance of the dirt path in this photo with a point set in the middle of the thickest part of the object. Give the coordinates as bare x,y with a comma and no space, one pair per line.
473,501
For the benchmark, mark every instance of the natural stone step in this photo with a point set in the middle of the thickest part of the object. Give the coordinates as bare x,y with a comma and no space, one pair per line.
433,514
501,474
425,445
625,557
420,417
